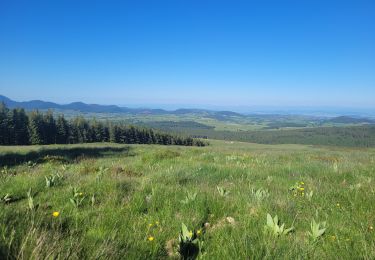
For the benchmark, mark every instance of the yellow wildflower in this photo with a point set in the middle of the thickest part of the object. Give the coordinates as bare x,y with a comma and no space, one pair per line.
302,182
150,238
190,233
80,194
55,214
301,189
199,232
371,228
338,204
157,222
150,225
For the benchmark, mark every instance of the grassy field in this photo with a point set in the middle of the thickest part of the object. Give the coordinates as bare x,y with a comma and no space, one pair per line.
107,201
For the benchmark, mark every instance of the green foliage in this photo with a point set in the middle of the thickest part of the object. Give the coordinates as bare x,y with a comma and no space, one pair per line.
53,180
62,130
222,191
335,166
4,125
347,136
93,200
274,227
20,121
36,128
190,197
77,198
113,220
41,128
13,126
31,164
7,198
188,243
30,200
101,171
309,195
260,194
317,229
4,171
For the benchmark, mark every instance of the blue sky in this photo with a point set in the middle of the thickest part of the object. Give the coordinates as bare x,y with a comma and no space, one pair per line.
193,52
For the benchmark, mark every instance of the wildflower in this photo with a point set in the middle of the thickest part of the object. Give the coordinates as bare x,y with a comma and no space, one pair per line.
302,194
302,183
80,194
199,232
150,225
150,238
157,222
371,228
302,189
55,214
338,204
190,233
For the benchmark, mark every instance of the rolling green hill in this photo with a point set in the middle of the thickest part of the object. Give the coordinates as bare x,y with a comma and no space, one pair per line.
112,201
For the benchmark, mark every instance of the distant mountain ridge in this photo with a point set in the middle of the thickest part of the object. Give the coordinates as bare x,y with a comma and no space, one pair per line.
95,108
218,115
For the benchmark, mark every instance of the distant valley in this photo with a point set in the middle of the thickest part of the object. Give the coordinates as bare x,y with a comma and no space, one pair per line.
343,130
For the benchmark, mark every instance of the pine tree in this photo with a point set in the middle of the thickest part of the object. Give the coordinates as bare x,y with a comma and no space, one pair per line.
98,132
49,128
36,128
152,137
62,130
132,135
105,133
18,128
114,134
20,123
4,125
81,130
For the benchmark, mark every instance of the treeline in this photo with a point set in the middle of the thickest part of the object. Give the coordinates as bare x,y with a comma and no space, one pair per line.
349,136
356,136
20,128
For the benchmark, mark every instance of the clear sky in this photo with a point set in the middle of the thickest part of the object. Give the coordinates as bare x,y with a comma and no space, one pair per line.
198,52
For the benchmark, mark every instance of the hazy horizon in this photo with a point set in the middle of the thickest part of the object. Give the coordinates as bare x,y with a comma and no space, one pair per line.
297,110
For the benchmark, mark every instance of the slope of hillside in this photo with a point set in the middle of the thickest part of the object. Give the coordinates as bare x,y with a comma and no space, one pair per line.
130,201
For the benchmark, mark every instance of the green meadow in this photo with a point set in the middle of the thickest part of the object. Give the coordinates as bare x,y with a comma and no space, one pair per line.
112,201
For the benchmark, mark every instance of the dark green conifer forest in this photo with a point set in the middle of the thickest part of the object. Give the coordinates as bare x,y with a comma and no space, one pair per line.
36,128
